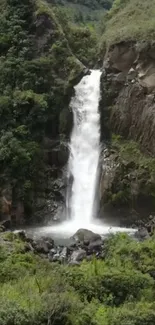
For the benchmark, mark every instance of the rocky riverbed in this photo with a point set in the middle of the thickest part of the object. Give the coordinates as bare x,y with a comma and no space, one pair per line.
84,244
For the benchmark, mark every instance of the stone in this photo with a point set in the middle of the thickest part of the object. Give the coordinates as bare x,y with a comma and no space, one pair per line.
132,74
86,242
78,255
21,234
52,251
56,257
86,235
2,228
29,247
64,254
49,242
41,247
95,246
142,234
120,77
6,224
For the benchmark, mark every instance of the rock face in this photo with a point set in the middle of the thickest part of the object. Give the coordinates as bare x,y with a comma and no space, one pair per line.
128,110
128,86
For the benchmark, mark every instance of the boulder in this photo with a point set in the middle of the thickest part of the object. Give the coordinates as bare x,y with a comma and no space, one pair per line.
41,247
142,234
2,228
52,251
49,242
78,255
64,254
95,246
21,234
6,224
83,235
56,257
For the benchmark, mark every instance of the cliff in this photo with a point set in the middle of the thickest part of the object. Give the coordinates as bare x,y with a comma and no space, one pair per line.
128,107
38,71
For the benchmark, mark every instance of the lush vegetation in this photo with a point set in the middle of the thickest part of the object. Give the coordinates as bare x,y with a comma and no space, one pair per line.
82,38
84,11
37,72
121,21
118,290
135,174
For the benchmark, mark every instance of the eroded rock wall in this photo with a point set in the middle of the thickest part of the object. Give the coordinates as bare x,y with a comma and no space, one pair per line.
128,110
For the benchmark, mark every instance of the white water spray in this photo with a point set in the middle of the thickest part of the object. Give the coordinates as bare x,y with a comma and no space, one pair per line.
83,163
85,149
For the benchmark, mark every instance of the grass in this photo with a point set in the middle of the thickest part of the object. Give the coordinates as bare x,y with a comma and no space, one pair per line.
133,21
115,291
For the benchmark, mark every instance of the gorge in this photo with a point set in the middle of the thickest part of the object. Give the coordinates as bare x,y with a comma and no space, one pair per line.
83,167
77,162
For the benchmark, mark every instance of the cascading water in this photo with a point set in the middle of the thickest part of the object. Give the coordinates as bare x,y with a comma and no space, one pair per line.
83,163
85,149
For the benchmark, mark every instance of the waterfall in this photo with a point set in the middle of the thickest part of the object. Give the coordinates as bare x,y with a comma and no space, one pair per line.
85,149
83,163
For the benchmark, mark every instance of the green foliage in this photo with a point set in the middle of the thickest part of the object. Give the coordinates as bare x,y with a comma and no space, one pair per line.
36,75
84,11
116,290
82,39
130,20
135,175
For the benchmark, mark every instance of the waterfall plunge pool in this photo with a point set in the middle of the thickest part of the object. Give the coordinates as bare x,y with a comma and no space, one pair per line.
64,231
83,166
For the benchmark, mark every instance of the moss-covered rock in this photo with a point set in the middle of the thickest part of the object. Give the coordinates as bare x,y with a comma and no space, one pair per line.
128,178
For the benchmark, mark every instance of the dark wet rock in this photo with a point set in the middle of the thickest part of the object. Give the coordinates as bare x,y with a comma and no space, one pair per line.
142,234
95,246
78,255
49,242
21,234
54,254
2,228
150,225
52,251
86,235
64,254
41,247
72,245
85,71
6,224
56,257
29,248
86,242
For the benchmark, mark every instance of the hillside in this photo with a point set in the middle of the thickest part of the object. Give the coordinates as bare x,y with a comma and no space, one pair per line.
127,106
38,71
130,20
50,275
85,11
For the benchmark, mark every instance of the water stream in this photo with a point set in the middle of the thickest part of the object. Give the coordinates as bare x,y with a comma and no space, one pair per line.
83,162
85,149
